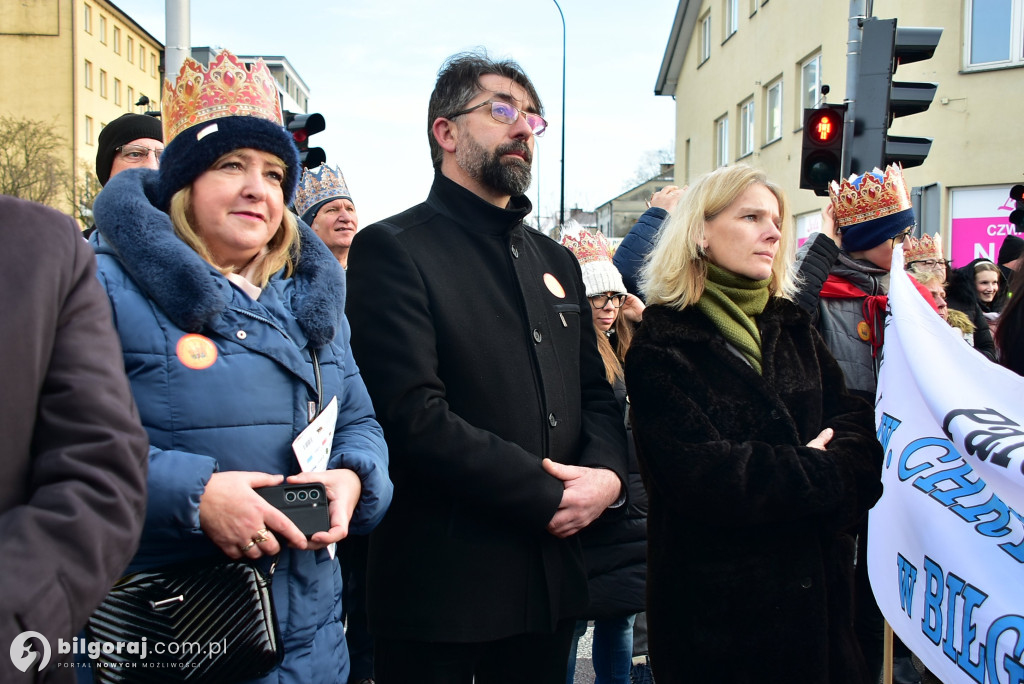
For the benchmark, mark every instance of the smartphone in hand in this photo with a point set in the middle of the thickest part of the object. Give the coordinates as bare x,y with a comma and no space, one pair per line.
304,504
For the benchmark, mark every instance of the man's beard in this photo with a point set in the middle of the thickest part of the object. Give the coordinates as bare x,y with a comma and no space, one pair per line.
509,177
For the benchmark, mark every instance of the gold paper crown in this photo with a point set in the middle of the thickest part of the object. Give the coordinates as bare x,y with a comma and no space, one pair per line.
870,196
226,89
317,185
927,247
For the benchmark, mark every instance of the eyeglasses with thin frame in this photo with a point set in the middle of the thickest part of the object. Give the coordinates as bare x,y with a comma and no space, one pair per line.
900,237
137,154
507,113
601,300
929,263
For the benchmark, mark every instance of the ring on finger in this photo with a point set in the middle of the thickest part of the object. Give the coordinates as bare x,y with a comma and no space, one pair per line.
248,546
261,536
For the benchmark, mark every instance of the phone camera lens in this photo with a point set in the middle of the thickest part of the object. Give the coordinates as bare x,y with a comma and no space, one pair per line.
289,497
314,494
302,495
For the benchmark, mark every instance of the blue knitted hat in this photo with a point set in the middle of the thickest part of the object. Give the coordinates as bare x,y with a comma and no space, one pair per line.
195,149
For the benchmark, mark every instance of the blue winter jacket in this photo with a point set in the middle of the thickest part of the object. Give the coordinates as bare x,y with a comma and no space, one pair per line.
244,410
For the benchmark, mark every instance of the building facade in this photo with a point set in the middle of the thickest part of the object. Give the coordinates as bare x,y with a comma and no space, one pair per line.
76,64
742,71
616,216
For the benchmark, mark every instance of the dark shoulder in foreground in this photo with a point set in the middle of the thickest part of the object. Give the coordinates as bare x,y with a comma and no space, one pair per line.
409,219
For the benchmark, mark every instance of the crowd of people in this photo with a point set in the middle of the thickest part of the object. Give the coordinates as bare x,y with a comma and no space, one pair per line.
517,437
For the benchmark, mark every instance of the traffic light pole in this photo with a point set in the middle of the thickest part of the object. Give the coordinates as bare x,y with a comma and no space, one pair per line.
859,11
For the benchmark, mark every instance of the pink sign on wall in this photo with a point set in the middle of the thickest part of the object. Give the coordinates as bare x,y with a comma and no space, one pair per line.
980,223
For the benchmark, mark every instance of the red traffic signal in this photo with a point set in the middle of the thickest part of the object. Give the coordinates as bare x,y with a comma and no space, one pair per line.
821,156
825,126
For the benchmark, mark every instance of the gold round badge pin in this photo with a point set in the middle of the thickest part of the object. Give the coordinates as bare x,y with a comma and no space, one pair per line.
196,351
554,287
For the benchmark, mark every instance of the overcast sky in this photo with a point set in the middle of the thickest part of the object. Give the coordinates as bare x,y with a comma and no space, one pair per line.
370,66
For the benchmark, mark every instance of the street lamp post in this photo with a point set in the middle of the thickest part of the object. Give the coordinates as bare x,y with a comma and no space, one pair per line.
561,200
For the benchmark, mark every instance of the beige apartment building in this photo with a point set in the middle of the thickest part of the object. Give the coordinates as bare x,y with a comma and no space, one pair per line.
742,71
78,64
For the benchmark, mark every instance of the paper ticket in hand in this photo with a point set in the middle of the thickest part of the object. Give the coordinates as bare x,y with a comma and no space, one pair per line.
313,445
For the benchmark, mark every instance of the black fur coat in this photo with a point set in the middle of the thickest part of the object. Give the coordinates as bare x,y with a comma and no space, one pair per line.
750,562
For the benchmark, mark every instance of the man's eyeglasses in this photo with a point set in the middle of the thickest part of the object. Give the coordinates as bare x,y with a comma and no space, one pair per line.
508,114
600,301
929,263
137,154
898,239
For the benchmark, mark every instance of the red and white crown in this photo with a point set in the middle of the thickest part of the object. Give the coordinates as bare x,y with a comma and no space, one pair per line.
227,88
870,196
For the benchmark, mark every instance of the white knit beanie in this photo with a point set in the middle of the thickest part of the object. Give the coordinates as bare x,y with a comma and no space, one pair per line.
594,254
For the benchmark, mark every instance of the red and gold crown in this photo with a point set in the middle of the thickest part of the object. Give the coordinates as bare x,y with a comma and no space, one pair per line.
927,247
870,196
227,88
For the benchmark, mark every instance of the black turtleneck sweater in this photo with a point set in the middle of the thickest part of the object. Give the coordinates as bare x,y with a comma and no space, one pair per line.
474,339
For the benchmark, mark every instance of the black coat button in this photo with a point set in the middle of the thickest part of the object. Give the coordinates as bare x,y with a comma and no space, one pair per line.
515,252
537,337
552,421
806,583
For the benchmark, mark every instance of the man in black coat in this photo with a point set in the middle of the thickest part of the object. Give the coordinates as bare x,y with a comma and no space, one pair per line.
473,335
73,456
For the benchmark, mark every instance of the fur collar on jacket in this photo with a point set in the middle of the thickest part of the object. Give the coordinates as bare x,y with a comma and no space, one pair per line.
188,290
691,325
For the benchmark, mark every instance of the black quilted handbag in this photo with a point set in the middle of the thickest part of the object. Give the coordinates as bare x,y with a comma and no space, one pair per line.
201,621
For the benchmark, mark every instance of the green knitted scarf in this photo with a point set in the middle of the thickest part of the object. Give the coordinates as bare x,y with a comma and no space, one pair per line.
731,302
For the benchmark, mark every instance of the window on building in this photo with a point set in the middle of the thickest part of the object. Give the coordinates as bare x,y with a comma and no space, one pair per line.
705,38
117,40
87,18
810,81
117,92
722,141
753,7
152,64
731,16
773,112
87,77
88,130
746,128
130,49
994,33
103,29
142,58
130,97
103,83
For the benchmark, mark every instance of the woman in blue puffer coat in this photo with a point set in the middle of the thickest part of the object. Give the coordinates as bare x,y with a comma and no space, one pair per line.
230,314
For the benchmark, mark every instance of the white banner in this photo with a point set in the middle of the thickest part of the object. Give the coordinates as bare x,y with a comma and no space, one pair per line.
946,540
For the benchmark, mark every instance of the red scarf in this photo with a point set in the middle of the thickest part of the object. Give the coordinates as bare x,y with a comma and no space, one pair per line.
872,328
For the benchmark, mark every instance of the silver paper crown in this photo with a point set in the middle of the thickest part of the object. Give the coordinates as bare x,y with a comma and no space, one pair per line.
319,185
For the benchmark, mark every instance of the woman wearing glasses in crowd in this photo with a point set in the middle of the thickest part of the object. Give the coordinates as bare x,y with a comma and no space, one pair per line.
231,318
614,545
924,260
757,459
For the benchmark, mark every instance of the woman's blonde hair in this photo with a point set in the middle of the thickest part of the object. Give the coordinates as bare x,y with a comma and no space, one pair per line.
283,246
674,272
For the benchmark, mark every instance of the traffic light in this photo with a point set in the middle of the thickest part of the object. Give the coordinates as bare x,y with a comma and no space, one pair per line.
301,126
822,154
1017,215
879,99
